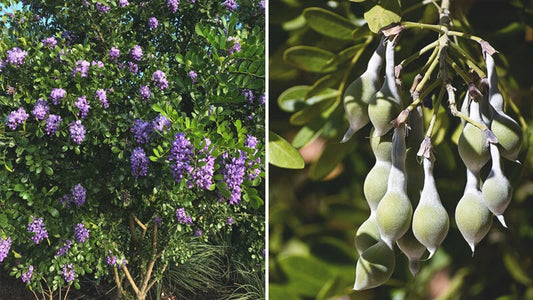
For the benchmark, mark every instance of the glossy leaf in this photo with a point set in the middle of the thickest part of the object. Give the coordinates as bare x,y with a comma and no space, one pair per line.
310,59
328,23
382,15
282,154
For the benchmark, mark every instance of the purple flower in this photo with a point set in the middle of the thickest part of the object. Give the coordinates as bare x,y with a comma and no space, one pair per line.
50,42
173,5
203,174
41,109
144,90
254,169
68,36
2,65
114,53
26,277
83,106
233,169
81,233
141,131
198,232
11,91
157,220
64,250
133,67
139,162
230,5
111,260
77,131
123,3
262,6
229,221
16,117
57,95
5,245
160,123
193,76
102,96
65,199
248,95
183,217
79,194
68,272
37,227
52,124
250,142
136,53
16,56
262,99
82,66
97,63
160,79
236,46
102,8
180,155
152,23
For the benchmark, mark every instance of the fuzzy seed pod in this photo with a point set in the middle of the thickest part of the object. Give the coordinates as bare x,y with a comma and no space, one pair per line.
367,235
374,266
473,146
497,190
385,106
473,218
375,184
430,220
413,249
360,92
394,211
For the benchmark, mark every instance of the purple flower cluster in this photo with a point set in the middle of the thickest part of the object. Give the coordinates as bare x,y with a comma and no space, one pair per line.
26,277
97,63
230,5
198,232
262,6
69,36
251,141
65,199
101,95
83,105
229,221
180,155
123,3
111,260
248,95
144,90
64,250
234,169
139,162
160,123
50,42
41,109
114,53
68,273
16,117
262,99
133,67
2,65
136,53
82,66
236,46
141,131
79,193
77,131
158,220
5,245
37,227
160,79
102,8
152,23
183,217
193,76
81,233
173,5
52,124
57,94
16,56
254,168
203,174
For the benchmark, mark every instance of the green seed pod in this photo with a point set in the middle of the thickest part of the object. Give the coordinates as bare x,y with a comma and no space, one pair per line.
473,218
473,146
497,190
430,220
413,249
360,92
367,234
385,106
374,266
375,184
394,211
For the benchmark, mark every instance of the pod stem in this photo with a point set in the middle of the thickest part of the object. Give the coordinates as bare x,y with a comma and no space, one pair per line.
435,112
419,53
469,60
453,108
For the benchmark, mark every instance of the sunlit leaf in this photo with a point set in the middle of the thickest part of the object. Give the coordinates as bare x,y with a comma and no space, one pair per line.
282,154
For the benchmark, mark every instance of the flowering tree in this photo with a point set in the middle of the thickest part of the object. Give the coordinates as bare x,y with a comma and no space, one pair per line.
132,128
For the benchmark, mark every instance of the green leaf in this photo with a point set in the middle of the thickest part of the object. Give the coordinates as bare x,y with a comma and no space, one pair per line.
310,59
310,113
306,275
346,55
329,159
383,15
328,23
322,84
282,154
308,133
49,171
277,291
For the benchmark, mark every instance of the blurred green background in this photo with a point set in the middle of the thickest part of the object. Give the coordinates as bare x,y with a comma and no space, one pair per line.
315,211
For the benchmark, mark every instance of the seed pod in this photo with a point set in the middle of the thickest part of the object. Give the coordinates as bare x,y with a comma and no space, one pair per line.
413,249
375,184
473,218
413,167
374,266
473,146
386,104
361,91
394,211
430,220
506,129
497,190
367,235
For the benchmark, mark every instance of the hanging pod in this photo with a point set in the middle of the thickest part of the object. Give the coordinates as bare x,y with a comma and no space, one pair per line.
430,219
367,234
413,168
473,218
374,266
506,129
497,190
473,146
394,211
361,91
375,184
413,249
385,106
